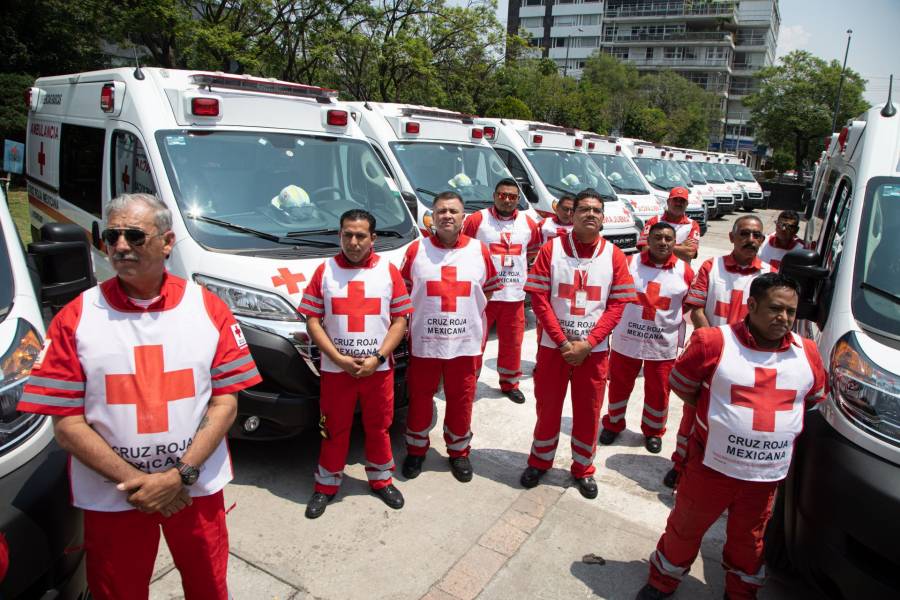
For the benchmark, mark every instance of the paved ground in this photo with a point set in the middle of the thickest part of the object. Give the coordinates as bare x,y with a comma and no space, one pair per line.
488,539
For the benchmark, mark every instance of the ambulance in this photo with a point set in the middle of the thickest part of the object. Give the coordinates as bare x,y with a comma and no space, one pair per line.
548,161
615,160
711,183
752,191
662,175
736,190
430,150
836,516
256,172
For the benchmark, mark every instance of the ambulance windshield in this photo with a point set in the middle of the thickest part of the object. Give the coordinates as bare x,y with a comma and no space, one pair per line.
620,174
710,172
740,172
435,167
695,172
262,190
568,172
661,174
7,285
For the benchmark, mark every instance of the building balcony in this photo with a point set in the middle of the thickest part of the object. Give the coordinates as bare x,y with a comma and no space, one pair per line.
659,11
576,31
573,52
706,38
532,11
585,8
745,69
703,64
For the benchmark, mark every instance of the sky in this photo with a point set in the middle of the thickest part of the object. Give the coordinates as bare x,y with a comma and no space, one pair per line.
820,26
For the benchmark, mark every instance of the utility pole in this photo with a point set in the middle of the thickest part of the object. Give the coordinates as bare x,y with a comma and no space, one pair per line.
568,43
837,102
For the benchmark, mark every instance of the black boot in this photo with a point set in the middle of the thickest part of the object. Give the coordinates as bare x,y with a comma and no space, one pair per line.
461,468
317,504
531,476
390,496
412,466
671,478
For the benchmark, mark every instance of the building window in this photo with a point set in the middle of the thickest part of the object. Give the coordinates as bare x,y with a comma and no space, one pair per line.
649,54
532,22
565,20
533,3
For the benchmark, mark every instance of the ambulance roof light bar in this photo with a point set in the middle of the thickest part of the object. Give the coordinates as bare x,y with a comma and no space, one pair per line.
550,128
263,86
108,98
409,111
596,136
579,142
490,132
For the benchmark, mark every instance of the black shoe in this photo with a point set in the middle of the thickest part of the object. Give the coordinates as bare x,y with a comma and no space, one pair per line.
587,486
412,466
391,496
608,436
461,468
648,592
531,476
671,478
653,443
515,395
317,504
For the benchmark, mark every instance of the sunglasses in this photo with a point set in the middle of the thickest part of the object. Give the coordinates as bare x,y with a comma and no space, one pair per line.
507,196
787,226
756,235
134,237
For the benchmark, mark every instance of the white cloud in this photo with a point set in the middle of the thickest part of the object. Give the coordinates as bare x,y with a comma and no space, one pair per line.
792,37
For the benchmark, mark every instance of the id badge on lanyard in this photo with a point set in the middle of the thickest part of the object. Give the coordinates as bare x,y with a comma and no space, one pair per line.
507,260
581,296
581,299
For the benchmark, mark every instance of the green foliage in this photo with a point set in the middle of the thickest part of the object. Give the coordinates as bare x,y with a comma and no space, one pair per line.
793,109
783,161
509,107
13,115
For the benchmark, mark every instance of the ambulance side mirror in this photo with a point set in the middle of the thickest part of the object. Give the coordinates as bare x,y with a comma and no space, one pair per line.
63,259
804,266
411,203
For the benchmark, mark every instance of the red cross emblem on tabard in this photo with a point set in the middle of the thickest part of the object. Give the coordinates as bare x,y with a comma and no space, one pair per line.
150,389
356,306
579,283
505,247
734,311
288,279
763,398
448,288
651,301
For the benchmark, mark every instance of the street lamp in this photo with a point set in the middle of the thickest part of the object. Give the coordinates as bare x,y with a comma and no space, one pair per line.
569,43
837,102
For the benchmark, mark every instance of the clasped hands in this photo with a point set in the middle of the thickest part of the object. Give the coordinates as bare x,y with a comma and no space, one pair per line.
574,351
161,492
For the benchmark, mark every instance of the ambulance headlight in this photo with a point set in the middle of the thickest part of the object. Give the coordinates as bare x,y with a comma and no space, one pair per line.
866,393
249,302
15,366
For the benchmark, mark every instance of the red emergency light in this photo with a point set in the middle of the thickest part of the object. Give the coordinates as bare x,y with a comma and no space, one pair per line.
412,127
490,133
689,157
28,91
108,98
537,139
477,134
591,145
205,107
578,142
618,148
640,150
842,138
338,118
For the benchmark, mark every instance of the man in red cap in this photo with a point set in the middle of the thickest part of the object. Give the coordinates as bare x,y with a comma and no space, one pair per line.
687,231
783,240
751,383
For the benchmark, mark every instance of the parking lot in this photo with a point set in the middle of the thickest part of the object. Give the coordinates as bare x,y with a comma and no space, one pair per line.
488,539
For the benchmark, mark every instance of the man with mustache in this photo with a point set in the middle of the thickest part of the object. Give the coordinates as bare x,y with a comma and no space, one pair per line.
450,278
718,296
141,375
513,239
751,383
579,287
687,231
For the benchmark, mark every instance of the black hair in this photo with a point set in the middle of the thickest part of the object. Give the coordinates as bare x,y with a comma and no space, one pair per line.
734,227
358,214
565,197
448,195
789,214
761,285
587,193
660,225
506,182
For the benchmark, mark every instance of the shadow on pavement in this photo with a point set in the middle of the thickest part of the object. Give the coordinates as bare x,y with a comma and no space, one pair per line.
619,580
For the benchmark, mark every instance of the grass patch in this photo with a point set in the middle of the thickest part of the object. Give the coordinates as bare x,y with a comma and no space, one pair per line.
18,207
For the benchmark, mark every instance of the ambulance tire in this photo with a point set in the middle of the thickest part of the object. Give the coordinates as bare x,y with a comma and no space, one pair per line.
776,551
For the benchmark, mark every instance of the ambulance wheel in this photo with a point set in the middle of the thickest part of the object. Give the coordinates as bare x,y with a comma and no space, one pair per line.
776,550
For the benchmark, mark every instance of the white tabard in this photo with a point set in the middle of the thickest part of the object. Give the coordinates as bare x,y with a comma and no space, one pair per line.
551,229
508,244
727,293
756,409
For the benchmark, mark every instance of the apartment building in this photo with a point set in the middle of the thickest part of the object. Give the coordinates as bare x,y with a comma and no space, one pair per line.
718,44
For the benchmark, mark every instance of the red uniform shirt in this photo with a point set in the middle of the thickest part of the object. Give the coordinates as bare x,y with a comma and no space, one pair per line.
699,289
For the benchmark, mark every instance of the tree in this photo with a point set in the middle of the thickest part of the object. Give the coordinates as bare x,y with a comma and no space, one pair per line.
794,106
509,107
688,108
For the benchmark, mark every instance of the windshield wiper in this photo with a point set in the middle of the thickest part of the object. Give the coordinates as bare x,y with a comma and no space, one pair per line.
389,233
287,240
429,192
880,292
631,191
557,188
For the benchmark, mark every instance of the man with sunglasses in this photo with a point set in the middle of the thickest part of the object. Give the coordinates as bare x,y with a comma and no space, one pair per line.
561,222
141,375
783,240
687,230
579,287
513,238
718,296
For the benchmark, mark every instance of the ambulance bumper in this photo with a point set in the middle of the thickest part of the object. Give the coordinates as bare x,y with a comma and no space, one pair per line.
43,530
845,502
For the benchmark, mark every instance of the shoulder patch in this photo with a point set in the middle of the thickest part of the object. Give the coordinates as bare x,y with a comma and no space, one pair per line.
238,336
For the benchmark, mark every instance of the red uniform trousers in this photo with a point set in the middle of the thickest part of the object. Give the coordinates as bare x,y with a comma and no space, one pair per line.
121,550
688,414
460,376
510,320
623,372
337,402
552,375
703,495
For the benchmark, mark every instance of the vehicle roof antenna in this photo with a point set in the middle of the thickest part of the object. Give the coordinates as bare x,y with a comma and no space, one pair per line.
889,109
138,74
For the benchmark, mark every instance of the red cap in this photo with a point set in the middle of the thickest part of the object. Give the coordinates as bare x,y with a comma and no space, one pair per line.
679,192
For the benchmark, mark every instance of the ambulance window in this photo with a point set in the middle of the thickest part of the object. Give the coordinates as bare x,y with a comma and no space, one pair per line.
130,168
81,166
513,164
837,227
384,161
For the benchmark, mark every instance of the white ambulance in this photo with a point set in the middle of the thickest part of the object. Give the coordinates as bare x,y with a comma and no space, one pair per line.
256,172
711,184
836,516
753,192
737,192
430,150
549,161
615,160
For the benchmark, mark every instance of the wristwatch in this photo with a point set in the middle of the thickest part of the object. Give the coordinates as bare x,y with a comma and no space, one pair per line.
189,474
381,358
